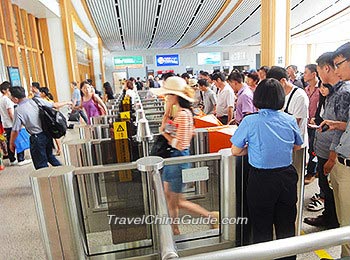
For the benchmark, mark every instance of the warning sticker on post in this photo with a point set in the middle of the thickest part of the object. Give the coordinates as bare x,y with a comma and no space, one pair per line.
126,101
125,115
120,130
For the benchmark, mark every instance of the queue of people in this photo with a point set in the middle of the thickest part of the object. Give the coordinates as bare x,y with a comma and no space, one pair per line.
279,115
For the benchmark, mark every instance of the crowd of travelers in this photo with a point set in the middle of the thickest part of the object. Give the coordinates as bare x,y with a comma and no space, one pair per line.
277,110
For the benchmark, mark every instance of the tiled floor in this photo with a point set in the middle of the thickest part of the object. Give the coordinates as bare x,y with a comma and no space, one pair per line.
334,252
19,231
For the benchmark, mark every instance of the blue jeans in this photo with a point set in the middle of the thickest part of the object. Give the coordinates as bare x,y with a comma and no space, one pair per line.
41,150
173,173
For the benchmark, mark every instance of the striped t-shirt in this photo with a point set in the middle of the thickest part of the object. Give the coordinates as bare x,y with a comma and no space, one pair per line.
185,128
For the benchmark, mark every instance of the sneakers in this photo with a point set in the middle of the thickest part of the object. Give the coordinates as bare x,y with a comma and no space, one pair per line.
316,205
2,167
316,196
319,221
24,162
14,163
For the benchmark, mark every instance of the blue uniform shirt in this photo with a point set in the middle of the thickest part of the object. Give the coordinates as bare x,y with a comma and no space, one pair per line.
270,136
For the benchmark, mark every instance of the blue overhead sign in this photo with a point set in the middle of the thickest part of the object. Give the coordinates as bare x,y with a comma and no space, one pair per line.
168,60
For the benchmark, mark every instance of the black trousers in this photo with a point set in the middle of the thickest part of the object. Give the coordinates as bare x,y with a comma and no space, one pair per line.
329,212
11,155
311,166
272,197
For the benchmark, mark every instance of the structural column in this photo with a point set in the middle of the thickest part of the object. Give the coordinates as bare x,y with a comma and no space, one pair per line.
69,40
275,32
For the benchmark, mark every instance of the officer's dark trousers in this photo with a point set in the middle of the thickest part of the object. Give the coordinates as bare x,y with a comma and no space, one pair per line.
272,197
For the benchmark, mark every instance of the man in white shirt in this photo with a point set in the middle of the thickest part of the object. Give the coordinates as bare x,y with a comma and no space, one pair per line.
7,117
296,101
225,99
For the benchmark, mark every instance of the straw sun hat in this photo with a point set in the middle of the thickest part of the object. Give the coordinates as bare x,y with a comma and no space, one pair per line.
176,86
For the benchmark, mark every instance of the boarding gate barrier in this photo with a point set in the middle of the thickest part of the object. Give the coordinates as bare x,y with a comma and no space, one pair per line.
133,190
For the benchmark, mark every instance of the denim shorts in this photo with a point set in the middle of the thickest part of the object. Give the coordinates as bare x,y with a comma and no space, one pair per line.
173,173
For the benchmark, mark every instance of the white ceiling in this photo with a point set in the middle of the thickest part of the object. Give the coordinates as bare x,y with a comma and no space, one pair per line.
166,24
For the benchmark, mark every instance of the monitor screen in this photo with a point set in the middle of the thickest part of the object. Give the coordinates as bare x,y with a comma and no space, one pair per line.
14,76
209,58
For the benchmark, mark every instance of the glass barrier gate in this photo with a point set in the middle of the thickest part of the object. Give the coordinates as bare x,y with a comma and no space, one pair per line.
112,210
101,207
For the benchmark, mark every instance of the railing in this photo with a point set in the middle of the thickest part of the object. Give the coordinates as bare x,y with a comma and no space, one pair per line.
282,247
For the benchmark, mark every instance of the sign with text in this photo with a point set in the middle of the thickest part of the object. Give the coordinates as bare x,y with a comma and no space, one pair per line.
128,61
195,174
167,60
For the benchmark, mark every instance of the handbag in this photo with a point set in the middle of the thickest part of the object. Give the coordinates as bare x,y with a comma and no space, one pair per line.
161,147
99,107
22,141
74,115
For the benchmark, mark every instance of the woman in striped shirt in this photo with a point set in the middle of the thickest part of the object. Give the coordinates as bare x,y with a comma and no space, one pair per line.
179,133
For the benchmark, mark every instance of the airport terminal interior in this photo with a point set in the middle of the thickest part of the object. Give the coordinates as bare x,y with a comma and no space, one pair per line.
139,153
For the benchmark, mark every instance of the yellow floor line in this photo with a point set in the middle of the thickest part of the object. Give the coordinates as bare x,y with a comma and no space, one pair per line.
320,253
323,254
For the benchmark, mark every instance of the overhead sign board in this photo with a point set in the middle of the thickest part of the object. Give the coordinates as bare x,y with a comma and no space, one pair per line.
128,61
168,60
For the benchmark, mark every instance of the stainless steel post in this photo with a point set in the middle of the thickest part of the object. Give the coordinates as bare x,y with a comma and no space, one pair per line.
201,146
152,165
55,199
144,135
227,192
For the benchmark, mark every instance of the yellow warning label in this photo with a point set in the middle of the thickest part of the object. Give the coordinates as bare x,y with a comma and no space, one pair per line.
120,130
126,101
123,155
125,176
125,115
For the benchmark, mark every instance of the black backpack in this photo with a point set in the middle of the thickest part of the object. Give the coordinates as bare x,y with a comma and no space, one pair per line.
52,120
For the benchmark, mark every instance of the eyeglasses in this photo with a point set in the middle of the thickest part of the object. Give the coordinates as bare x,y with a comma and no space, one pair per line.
336,65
